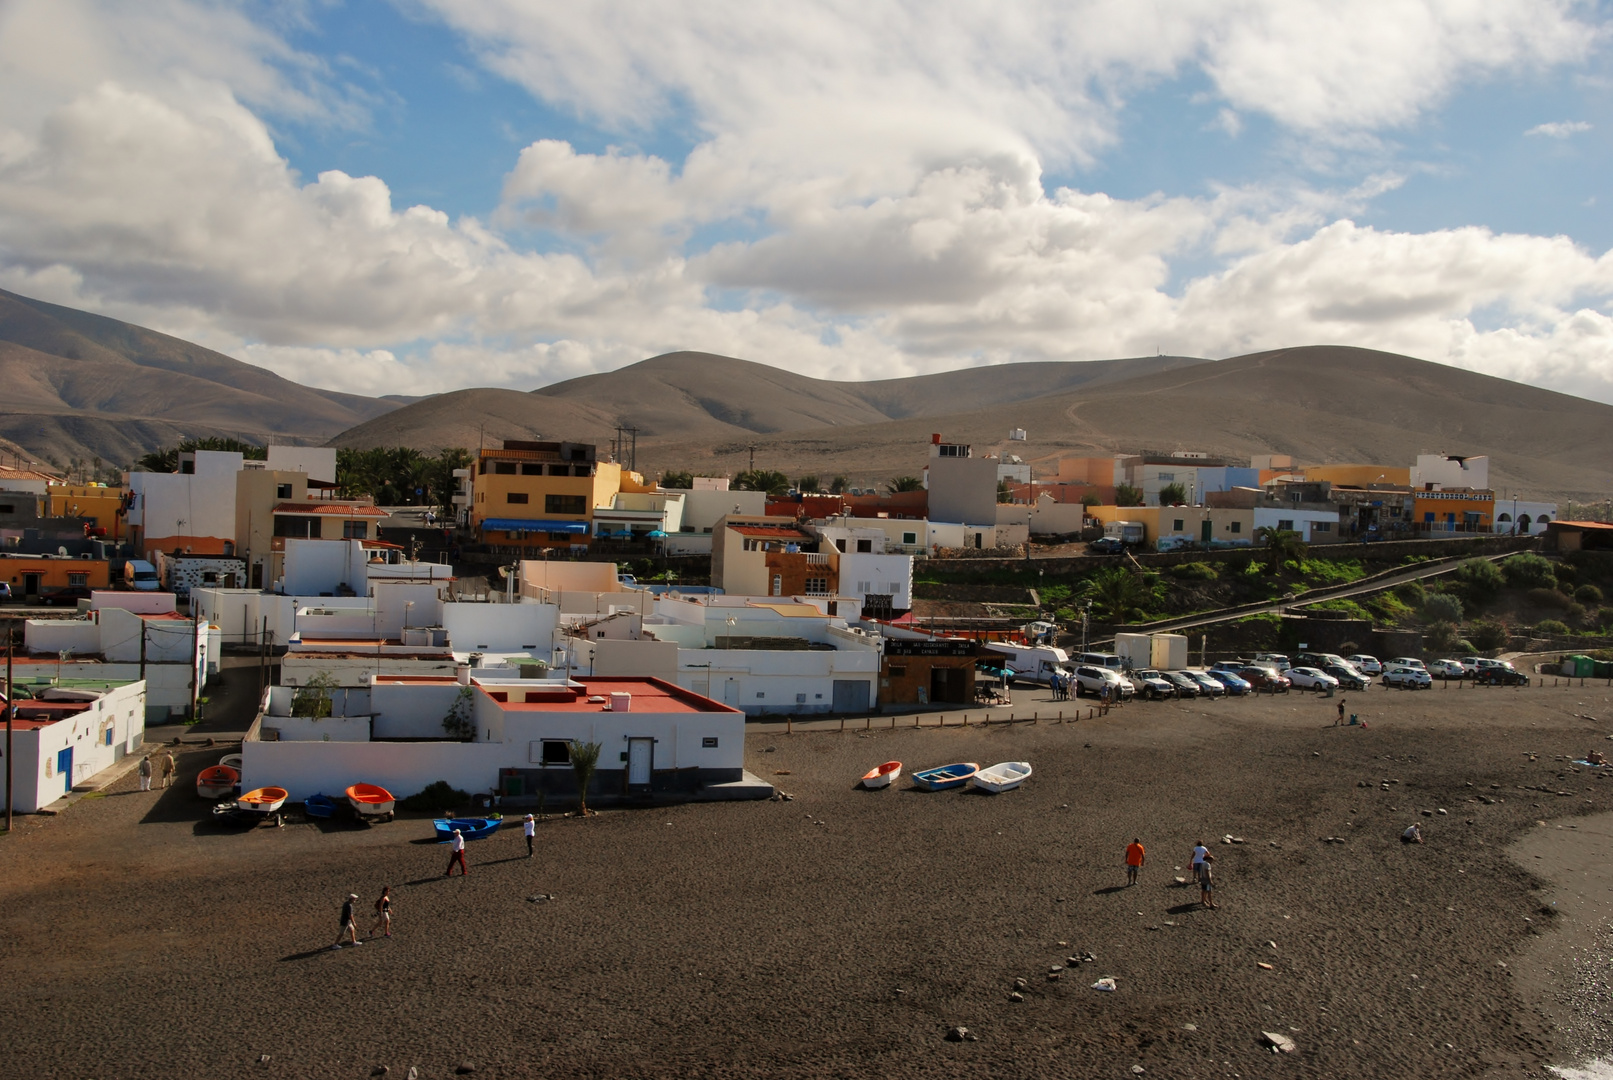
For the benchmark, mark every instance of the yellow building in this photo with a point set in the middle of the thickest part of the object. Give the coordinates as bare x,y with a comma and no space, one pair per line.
96,502
535,495
32,576
1175,526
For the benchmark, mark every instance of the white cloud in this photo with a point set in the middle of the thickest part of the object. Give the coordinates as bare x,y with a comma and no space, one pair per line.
1560,129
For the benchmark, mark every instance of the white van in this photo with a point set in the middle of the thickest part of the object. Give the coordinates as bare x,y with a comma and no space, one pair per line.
1033,663
1112,661
140,576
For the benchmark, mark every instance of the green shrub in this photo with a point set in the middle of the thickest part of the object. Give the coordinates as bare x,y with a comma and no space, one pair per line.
1574,614
1442,608
1604,618
1200,571
1566,574
1350,607
1588,594
1548,598
1528,571
1441,637
1551,628
1411,593
435,798
1481,577
1487,634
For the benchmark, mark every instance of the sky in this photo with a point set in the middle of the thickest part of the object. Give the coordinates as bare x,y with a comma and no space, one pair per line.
414,196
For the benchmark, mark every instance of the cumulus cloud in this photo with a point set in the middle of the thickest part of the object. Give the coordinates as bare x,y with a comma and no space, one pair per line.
875,175
1559,129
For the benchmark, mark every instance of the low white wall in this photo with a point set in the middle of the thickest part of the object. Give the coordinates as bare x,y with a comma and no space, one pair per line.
57,635
501,627
297,668
411,711
761,681
147,603
403,768
325,729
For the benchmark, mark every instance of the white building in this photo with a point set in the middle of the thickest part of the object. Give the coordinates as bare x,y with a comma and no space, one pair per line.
962,487
194,506
319,462
1450,471
68,732
657,740
1311,525
1518,517
168,652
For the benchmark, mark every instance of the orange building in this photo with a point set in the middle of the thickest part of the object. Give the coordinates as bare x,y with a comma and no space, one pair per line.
37,575
1453,511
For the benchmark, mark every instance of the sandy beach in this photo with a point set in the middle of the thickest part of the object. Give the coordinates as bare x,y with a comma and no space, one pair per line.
843,932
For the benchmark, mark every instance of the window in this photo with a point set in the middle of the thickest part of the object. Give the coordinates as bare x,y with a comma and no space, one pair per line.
815,586
898,670
559,470
778,585
840,545
761,693
563,538
800,699
556,752
1176,525
306,528
1285,525
282,491
1236,526
1167,477
910,538
865,546
355,530
1321,526
708,742
78,580
520,498
10,508
504,468
565,504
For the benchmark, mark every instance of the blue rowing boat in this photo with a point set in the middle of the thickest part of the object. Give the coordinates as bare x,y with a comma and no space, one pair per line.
475,828
319,806
947,776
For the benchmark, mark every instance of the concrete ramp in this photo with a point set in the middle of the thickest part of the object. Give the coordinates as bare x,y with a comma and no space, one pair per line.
748,786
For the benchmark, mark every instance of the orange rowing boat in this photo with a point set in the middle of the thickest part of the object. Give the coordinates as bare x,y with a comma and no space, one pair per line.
882,775
264,800
217,782
371,800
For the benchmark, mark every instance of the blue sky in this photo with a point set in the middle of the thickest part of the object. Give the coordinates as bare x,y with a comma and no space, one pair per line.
427,194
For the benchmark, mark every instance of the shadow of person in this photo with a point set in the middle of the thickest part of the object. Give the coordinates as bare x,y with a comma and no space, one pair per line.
1110,889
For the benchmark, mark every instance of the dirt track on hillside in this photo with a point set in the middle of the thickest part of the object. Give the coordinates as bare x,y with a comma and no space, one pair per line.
842,933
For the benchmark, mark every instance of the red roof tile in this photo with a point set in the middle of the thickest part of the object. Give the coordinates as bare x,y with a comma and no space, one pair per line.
333,509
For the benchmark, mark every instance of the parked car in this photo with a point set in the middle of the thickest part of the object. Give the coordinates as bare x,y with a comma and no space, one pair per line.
1470,664
1501,673
1093,680
1236,685
1406,677
72,594
1107,545
1152,685
1263,677
1447,669
1233,666
1309,678
1405,661
1349,676
1186,685
1366,665
1277,660
1209,685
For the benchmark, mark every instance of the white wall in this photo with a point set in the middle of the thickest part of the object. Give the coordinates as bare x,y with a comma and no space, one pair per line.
296,668
862,574
702,509
188,504
1268,517
147,603
314,567
763,681
319,462
501,627
35,780
1473,472
1538,513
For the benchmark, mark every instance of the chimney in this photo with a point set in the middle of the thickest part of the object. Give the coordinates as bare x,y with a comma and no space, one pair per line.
935,439
620,702
462,674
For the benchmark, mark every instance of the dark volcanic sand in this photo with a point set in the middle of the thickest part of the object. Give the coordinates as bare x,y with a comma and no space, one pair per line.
841,933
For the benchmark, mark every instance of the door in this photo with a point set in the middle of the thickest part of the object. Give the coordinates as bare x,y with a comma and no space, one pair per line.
64,768
30,584
850,695
640,756
1206,531
730,693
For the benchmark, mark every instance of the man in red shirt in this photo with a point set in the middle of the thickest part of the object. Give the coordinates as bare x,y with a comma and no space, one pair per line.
1134,860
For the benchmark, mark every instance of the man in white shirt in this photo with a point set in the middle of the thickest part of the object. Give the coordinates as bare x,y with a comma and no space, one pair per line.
458,856
530,828
1199,852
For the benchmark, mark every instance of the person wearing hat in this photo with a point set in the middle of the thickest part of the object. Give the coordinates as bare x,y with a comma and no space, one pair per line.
348,930
458,856
530,829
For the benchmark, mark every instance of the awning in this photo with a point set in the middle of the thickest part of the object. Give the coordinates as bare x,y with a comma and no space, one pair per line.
531,525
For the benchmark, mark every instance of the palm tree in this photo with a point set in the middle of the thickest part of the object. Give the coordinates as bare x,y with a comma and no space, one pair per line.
1118,593
1282,546
584,761
906,483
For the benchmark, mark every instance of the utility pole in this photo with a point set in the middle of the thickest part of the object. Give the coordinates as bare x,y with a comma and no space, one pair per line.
263,657
753,458
10,710
195,648
633,457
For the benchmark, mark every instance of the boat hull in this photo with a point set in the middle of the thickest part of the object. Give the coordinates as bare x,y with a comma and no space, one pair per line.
883,775
218,782
371,801
263,800
319,806
1003,777
947,776
469,828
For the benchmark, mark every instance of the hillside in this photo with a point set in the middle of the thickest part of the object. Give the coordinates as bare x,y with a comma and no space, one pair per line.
701,397
82,385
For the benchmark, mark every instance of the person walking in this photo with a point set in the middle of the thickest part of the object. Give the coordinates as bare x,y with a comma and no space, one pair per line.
1200,853
458,856
529,829
348,930
1135,857
145,773
1207,882
1340,721
167,762
383,912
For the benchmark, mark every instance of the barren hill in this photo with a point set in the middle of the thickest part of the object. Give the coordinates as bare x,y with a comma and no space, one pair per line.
82,385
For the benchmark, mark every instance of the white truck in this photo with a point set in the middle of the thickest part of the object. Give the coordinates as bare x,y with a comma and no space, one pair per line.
140,576
1033,663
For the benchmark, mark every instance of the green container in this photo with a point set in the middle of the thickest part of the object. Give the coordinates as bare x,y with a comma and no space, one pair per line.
1604,669
1578,667
513,785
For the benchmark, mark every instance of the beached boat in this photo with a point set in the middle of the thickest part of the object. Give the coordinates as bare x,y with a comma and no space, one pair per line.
470,828
218,782
233,761
263,800
882,775
1004,776
947,776
319,806
371,801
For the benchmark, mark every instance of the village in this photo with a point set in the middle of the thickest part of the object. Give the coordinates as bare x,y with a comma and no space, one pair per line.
377,666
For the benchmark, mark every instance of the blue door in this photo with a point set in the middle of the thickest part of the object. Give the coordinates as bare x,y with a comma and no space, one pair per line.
64,768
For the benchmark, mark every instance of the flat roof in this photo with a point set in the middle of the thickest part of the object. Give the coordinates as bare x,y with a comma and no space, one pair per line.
551,695
1582,524
793,611
779,532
